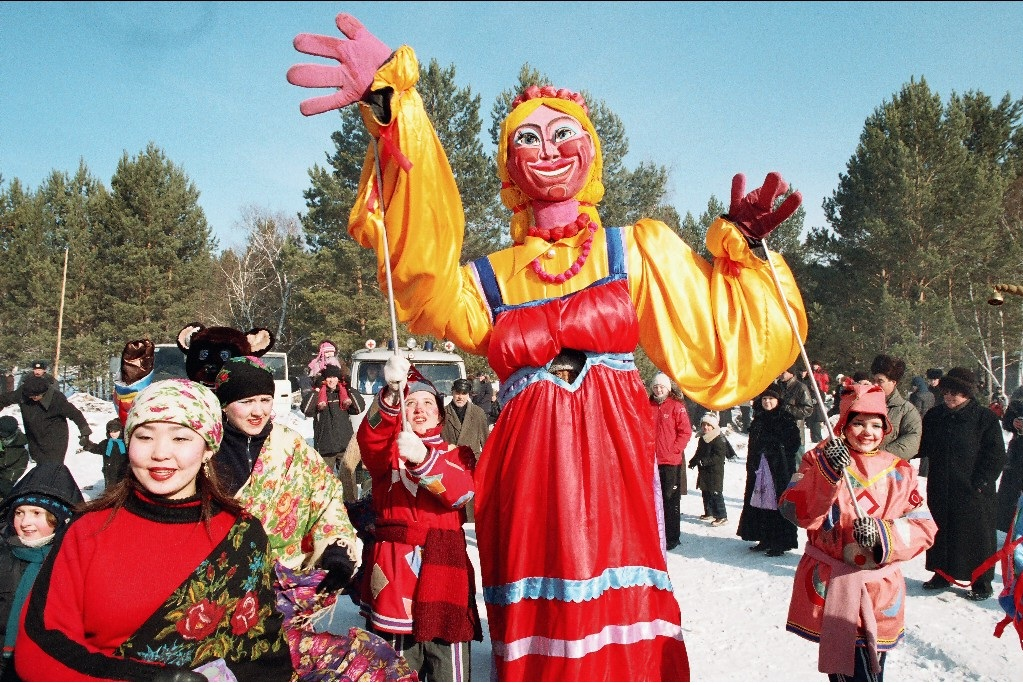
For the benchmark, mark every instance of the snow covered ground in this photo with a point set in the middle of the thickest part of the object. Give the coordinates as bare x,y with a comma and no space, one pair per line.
734,601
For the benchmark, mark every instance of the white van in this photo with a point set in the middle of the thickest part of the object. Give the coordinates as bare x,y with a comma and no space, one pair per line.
443,367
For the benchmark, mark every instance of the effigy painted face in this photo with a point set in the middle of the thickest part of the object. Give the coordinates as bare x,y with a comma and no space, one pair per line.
549,155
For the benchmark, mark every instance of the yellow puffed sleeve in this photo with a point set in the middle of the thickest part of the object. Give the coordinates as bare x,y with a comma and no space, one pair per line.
720,330
422,214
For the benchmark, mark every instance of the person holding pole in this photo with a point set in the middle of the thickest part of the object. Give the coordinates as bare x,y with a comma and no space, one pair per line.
559,315
848,593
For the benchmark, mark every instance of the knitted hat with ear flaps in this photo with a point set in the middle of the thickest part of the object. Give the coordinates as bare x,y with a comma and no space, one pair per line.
857,398
8,426
49,486
417,382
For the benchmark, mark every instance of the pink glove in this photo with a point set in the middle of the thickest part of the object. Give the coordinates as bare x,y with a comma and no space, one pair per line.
754,214
360,57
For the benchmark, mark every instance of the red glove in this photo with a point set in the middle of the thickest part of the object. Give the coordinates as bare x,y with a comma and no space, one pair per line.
360,57
342,396
754,214
321,398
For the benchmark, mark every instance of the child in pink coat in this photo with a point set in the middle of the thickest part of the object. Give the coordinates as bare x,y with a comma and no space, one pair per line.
849,594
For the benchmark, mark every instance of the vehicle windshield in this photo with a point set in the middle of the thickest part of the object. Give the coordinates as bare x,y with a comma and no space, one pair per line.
168,362
277,362
441,375
370,376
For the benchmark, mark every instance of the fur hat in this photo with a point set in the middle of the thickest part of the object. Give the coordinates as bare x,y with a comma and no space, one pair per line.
771,392
856,398
39,365
661,379
242,377
860,376
461,386
934,374
889,366
331,371
34,385
114,425
181,401
959,380
710,418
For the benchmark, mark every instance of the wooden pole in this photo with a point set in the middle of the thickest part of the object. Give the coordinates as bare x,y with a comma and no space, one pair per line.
60,314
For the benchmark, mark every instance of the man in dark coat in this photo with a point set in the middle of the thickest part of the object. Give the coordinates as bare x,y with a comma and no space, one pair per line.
963,442
45,413
38,370
464,422
795,400
332,423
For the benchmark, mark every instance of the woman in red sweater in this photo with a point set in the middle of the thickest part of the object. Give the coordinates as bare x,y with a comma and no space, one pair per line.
164,577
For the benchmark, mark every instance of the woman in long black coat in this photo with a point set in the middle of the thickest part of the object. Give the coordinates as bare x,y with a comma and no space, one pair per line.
964,444
772,452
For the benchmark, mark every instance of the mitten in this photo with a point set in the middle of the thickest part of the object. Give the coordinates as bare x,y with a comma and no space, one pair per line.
137,359
85,442
321,398
754,214
339,567
396,376
411,447
342,396
866,532
358,58
837,454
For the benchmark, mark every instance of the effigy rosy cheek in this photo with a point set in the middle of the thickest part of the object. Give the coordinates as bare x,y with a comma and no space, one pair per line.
575,147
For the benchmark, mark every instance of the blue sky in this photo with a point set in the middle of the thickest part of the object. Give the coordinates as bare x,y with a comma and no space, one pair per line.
705,89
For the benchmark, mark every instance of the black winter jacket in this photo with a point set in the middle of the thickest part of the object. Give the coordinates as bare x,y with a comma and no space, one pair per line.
45,423
710,457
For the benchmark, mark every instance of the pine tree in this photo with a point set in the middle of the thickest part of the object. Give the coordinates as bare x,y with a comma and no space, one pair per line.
156,252
913,235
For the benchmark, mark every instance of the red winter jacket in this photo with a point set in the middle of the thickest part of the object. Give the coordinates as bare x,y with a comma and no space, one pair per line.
672,430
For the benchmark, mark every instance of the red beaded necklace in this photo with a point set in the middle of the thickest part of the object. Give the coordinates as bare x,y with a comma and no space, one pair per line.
553,235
